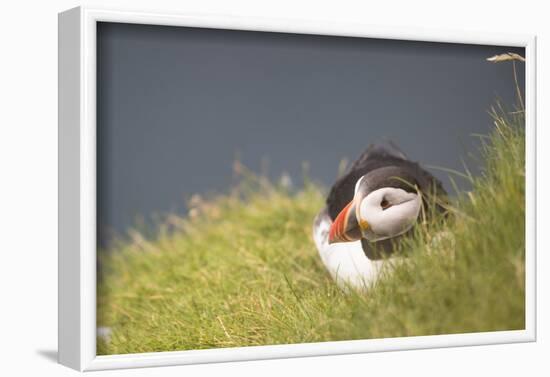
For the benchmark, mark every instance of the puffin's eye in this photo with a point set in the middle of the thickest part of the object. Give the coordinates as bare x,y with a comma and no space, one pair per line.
385,204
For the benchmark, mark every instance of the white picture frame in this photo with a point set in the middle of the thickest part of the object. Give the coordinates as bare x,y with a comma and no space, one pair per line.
77,189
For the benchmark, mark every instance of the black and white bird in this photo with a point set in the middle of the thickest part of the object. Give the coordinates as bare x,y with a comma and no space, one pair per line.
370,207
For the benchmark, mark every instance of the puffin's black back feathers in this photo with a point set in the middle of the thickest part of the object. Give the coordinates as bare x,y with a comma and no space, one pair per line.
378,156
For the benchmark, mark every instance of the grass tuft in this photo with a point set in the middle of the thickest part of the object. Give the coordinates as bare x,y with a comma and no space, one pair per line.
242,269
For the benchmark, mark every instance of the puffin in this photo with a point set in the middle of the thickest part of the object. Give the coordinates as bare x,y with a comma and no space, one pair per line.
369,209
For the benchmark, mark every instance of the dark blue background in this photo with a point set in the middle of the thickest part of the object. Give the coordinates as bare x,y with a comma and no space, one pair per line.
177,105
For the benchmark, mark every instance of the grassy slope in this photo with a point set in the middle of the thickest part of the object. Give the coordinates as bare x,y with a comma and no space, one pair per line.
245,271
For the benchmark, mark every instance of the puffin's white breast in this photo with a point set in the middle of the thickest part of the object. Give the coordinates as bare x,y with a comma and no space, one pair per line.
346,261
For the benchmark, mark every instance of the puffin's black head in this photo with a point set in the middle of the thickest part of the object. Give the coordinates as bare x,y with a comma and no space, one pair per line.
386,203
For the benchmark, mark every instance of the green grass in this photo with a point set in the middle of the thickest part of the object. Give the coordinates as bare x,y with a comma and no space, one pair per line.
242,269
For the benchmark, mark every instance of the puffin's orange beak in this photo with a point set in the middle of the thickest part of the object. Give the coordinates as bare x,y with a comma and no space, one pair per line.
345,227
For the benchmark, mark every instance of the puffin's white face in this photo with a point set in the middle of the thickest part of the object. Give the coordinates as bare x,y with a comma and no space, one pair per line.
387,212
380,214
